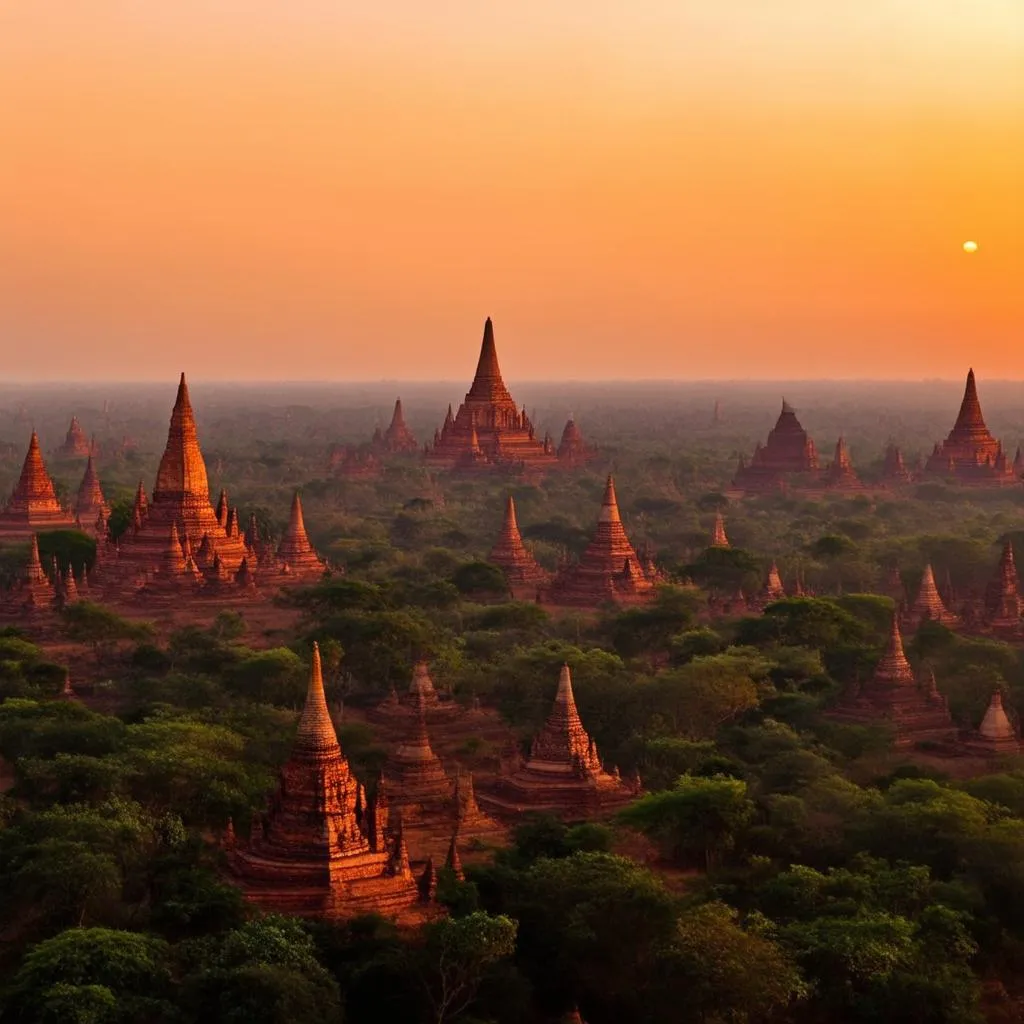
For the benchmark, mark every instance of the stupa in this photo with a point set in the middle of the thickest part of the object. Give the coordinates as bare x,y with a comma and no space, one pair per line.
504,433
563,774
91,508
572,449
608,570
295,554
840,474
929,604
354,463
320,851
75,443
398,438
719,538
1002,600
33,506
523,573
893,695
421,697
970,454
893,469
789,451
414,778
773,588
996,734
33,593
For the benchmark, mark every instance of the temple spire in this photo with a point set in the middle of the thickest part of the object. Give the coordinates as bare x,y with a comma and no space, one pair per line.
719,538
295,550
182,469
316,736
609,503
970,417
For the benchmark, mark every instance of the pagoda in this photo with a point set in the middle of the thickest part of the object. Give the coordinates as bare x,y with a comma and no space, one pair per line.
929,604
719,538
608,570
320,850
996,734
33,506
788,451
504,433
354,463
75,444
398,438
563,774
295,554
1002,600
893,468
523,573
180,502
421,697
970,454
414,779
91,508
33,593
840,474
572,449
773,588
893,696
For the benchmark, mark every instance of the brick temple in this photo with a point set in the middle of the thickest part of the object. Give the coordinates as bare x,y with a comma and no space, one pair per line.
928,605
76,444
894,471
398,439
509,553
91,508
1002,599
840,474
607,571
788,452
563,774
33,506
970,454
322,850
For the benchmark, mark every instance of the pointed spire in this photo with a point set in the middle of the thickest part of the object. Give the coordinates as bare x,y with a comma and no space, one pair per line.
316,737
719,539
969,419
488,373
174,556
773,588
428,881
222,508
34,488
453,862
894,669
996,725
295,550
929,604
609,503
90,495
182,470
34,571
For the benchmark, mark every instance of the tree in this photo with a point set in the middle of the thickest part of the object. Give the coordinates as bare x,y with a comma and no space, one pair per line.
479,578
101,628
455,956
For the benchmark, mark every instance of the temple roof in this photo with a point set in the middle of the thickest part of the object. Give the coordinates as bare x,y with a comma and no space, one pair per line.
182,469
894,669
316,738
488,385
996,724
719,538
970,419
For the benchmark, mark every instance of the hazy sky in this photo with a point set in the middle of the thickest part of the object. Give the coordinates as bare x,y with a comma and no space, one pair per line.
630,188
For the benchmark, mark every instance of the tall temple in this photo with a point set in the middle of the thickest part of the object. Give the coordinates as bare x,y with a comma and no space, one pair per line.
929,604
719,538
91,508
398,438
840,474
75,443
894,470
1002,599
608,570
509,553
789,451
970,454
488,428
563,773
33,506
33,593
321,850
295,554
894,696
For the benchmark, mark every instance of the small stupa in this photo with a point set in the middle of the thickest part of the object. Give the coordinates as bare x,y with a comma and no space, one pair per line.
996,733
398,438
91,508
719,538
75,444
33,506
295,554
1002,600
929,604
509,553
840,474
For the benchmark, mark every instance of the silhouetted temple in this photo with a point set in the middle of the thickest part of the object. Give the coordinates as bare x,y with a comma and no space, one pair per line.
929,604
788,451
321,850
970,453
75,443
523,573
840,474
33,506
1002,600
398,438
608,570
563,774
893,696
91,508
33,593
572,449
719,538
489,430
893,468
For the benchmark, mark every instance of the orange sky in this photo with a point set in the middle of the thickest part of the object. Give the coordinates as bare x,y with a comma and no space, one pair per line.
631,188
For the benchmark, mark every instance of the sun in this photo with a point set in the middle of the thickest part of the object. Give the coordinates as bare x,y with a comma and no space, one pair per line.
970,246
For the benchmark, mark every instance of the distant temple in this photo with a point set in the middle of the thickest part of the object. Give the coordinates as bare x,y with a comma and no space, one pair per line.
929,605
996,734
323,850
719,538
788,451
76,443
91,508
572,449
355,463
893,696
398,438
563,774
33,506
1002,599
840,474
608,570
509,553
490,432
970,454
894,470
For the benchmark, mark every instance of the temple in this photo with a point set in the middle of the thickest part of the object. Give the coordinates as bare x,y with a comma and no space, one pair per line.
970,454
414,779
563,774
928,604
355,463
608,570
996,734
33,506
421,697
75,443
488,428
789,451
91,508
523,573
893,469
893,696
1002,599
321,850
773,588
840,474
572,449
398,438
295,555
33,593
719,538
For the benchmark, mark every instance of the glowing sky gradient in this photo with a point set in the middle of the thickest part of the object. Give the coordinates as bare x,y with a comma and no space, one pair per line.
645,188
